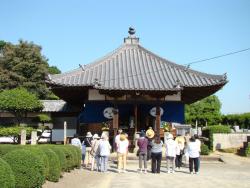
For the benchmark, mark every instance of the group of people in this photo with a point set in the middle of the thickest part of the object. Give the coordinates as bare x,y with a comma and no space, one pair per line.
96,152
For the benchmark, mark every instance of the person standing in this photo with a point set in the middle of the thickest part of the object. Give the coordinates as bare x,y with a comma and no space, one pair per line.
142,144
156,154
87,141
197,140
171,150
76,141
194,154
95,152
83,154
180,140
104,149
187,138
117,138
122,150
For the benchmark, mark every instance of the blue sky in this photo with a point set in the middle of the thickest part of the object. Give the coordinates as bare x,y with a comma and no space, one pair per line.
76,32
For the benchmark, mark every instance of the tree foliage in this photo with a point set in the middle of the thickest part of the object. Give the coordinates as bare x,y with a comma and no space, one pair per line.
15,131
23,65
19,101
205,111
243,120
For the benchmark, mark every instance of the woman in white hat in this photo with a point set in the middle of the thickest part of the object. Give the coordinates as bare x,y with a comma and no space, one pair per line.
171,149
104,149
95,152
87,142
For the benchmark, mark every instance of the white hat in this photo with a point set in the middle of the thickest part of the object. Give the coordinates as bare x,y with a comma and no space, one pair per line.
96,136
89,134
170,136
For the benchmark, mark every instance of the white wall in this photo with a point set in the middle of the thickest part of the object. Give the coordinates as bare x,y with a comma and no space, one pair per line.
57,134
232,140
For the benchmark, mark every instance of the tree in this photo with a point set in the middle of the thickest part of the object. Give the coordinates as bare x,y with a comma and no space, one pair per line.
23,65
19,101
205,111
54,70
43,119
243,120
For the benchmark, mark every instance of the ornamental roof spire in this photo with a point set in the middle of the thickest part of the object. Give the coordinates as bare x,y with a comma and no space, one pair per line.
131,39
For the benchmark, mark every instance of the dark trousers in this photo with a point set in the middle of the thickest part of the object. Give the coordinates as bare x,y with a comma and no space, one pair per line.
195,162
156,162
178,161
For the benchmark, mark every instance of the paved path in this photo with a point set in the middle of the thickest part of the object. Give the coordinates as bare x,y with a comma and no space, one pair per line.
235,172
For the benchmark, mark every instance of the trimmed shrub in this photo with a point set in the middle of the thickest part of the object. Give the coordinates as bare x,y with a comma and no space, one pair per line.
69,158
76,155
209,131
6,148
40,154
247,151
61,155
204,149
7,179
54,164
27,167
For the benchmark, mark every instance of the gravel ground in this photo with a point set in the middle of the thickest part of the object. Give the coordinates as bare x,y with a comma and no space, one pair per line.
233,172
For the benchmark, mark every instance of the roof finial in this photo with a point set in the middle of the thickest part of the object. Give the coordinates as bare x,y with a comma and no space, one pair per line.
131,31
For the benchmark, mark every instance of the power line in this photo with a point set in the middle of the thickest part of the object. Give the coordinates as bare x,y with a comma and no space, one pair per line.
216,57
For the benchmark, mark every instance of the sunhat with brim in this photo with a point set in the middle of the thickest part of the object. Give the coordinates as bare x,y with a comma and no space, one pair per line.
89,134
122,137
96,136
150,133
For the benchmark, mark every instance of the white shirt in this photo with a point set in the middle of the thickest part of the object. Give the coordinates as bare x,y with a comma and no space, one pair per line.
193,150
76,142
122,146
171,148
199,144
117,139
104,148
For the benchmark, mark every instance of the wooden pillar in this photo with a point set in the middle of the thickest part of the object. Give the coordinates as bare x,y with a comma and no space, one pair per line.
115,125
136,117
158,119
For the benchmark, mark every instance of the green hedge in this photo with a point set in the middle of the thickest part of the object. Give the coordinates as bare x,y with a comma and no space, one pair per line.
247,151
204,149
70,159
61,155
40,154
209,131
76,155
7,179
6,148
27,167
54,158
54,164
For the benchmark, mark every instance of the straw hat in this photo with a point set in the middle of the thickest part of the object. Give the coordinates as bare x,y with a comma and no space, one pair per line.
122,137
96,136
150,133
89,134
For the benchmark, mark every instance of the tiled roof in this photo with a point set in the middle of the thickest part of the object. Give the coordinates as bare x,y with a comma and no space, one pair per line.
132,67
